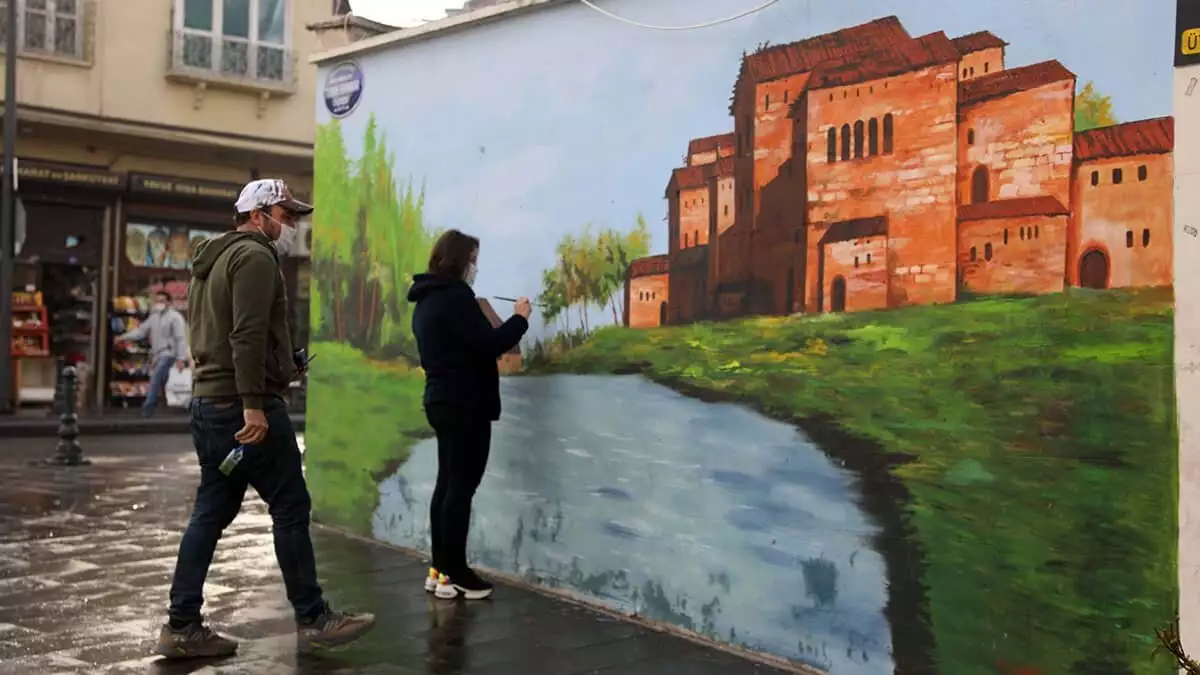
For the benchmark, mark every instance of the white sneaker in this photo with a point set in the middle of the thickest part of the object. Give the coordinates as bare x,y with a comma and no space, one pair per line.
431,581
470,587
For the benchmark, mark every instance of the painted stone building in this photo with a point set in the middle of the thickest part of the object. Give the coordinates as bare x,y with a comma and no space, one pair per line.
869,169
646,294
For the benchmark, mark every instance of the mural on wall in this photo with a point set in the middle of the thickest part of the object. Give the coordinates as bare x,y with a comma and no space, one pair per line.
885,384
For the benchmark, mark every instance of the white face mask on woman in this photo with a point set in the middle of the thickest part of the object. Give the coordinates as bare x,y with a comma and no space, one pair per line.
469,276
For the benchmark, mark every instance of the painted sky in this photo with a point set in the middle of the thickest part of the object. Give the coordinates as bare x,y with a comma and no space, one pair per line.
527,129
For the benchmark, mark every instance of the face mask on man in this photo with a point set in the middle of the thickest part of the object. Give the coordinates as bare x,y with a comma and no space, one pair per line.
160,307
287,236
472,271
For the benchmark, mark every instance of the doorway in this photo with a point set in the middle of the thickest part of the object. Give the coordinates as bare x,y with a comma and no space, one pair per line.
1093,269
662,314
979,185
837,295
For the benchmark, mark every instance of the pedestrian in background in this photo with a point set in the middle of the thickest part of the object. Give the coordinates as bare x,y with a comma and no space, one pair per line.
459,349
244,364
167,331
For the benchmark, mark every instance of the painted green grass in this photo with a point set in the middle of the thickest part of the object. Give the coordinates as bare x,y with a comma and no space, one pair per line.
1041,434
367,418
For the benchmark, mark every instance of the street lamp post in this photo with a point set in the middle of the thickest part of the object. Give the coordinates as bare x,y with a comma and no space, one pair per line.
8,209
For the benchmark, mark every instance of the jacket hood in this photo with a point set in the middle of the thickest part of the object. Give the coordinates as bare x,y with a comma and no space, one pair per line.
426,284
208,251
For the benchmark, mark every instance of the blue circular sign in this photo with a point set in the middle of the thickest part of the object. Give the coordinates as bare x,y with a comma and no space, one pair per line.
343,89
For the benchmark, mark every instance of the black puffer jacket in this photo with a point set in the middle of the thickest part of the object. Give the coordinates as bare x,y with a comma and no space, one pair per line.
459,347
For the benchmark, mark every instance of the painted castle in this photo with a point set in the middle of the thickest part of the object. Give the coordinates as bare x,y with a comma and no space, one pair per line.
869,169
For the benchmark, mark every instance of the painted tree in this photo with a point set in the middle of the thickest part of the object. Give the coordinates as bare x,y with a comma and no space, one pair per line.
1093,109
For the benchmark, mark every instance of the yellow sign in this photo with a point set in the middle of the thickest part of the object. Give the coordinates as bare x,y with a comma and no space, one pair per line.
1189,41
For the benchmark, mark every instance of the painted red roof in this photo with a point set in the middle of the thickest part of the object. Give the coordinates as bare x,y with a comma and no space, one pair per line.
1013,208
798,57
965,44
710,143
688,178
891,59
643,267
1010,81
1144,137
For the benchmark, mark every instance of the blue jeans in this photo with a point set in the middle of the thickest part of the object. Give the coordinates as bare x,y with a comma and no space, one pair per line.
158,380
273,469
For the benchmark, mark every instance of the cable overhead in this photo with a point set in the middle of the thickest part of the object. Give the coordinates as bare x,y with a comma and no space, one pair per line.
698,26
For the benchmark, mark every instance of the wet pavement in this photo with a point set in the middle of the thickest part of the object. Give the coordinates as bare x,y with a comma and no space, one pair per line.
86,556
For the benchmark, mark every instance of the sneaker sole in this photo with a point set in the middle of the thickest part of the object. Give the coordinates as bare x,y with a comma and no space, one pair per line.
430,586
176,653
308,645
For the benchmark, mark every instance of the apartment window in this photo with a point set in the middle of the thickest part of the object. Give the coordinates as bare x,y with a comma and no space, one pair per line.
964,72
1142,172
1006,236
974,254
1145,238
987,251
858,139
970,137
986,65
868,258
1022,233
856,261
831,145
1128,238
887,133
845,141
726,209
1117,176
235,38
873,137
52,27
1095,178
1037,231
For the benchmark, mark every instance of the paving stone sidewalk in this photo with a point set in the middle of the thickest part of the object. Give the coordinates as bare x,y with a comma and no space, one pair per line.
86,556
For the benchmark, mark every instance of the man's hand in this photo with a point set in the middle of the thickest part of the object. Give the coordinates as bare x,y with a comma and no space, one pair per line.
255,428
524,308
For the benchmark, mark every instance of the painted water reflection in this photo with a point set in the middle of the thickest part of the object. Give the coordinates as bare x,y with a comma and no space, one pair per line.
708,516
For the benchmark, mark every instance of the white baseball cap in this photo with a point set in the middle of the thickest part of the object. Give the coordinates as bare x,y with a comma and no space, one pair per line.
267,192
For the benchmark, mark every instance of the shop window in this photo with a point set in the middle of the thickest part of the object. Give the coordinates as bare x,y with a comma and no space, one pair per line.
1142,172
244,39
1117,176
1128,238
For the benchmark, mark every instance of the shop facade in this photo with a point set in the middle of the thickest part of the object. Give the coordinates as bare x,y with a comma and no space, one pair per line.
100,244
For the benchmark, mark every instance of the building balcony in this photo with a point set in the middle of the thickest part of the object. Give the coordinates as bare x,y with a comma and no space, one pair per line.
60,32
202,58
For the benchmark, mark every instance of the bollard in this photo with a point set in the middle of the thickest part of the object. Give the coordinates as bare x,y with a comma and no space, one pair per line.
68,453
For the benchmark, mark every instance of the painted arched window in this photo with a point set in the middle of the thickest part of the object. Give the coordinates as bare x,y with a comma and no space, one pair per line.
858,139
887,133
873,137
845,141
831,145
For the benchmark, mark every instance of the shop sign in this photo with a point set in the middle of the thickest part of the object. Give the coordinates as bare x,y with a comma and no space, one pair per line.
37,171
184,187
343,89
1187,32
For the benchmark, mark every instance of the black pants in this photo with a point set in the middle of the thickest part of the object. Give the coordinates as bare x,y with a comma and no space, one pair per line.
463,445
273,468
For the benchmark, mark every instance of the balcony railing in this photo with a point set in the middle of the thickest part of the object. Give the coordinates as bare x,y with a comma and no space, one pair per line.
199,56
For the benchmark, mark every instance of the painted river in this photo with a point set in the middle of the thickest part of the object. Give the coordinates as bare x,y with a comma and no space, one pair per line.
708,516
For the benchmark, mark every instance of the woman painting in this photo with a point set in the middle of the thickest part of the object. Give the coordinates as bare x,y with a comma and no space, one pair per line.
459,349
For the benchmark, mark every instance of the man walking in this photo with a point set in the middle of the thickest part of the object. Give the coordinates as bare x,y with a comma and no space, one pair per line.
243,364
168,345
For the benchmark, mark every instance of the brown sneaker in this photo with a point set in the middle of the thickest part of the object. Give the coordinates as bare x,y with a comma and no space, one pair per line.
333,629
194,641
